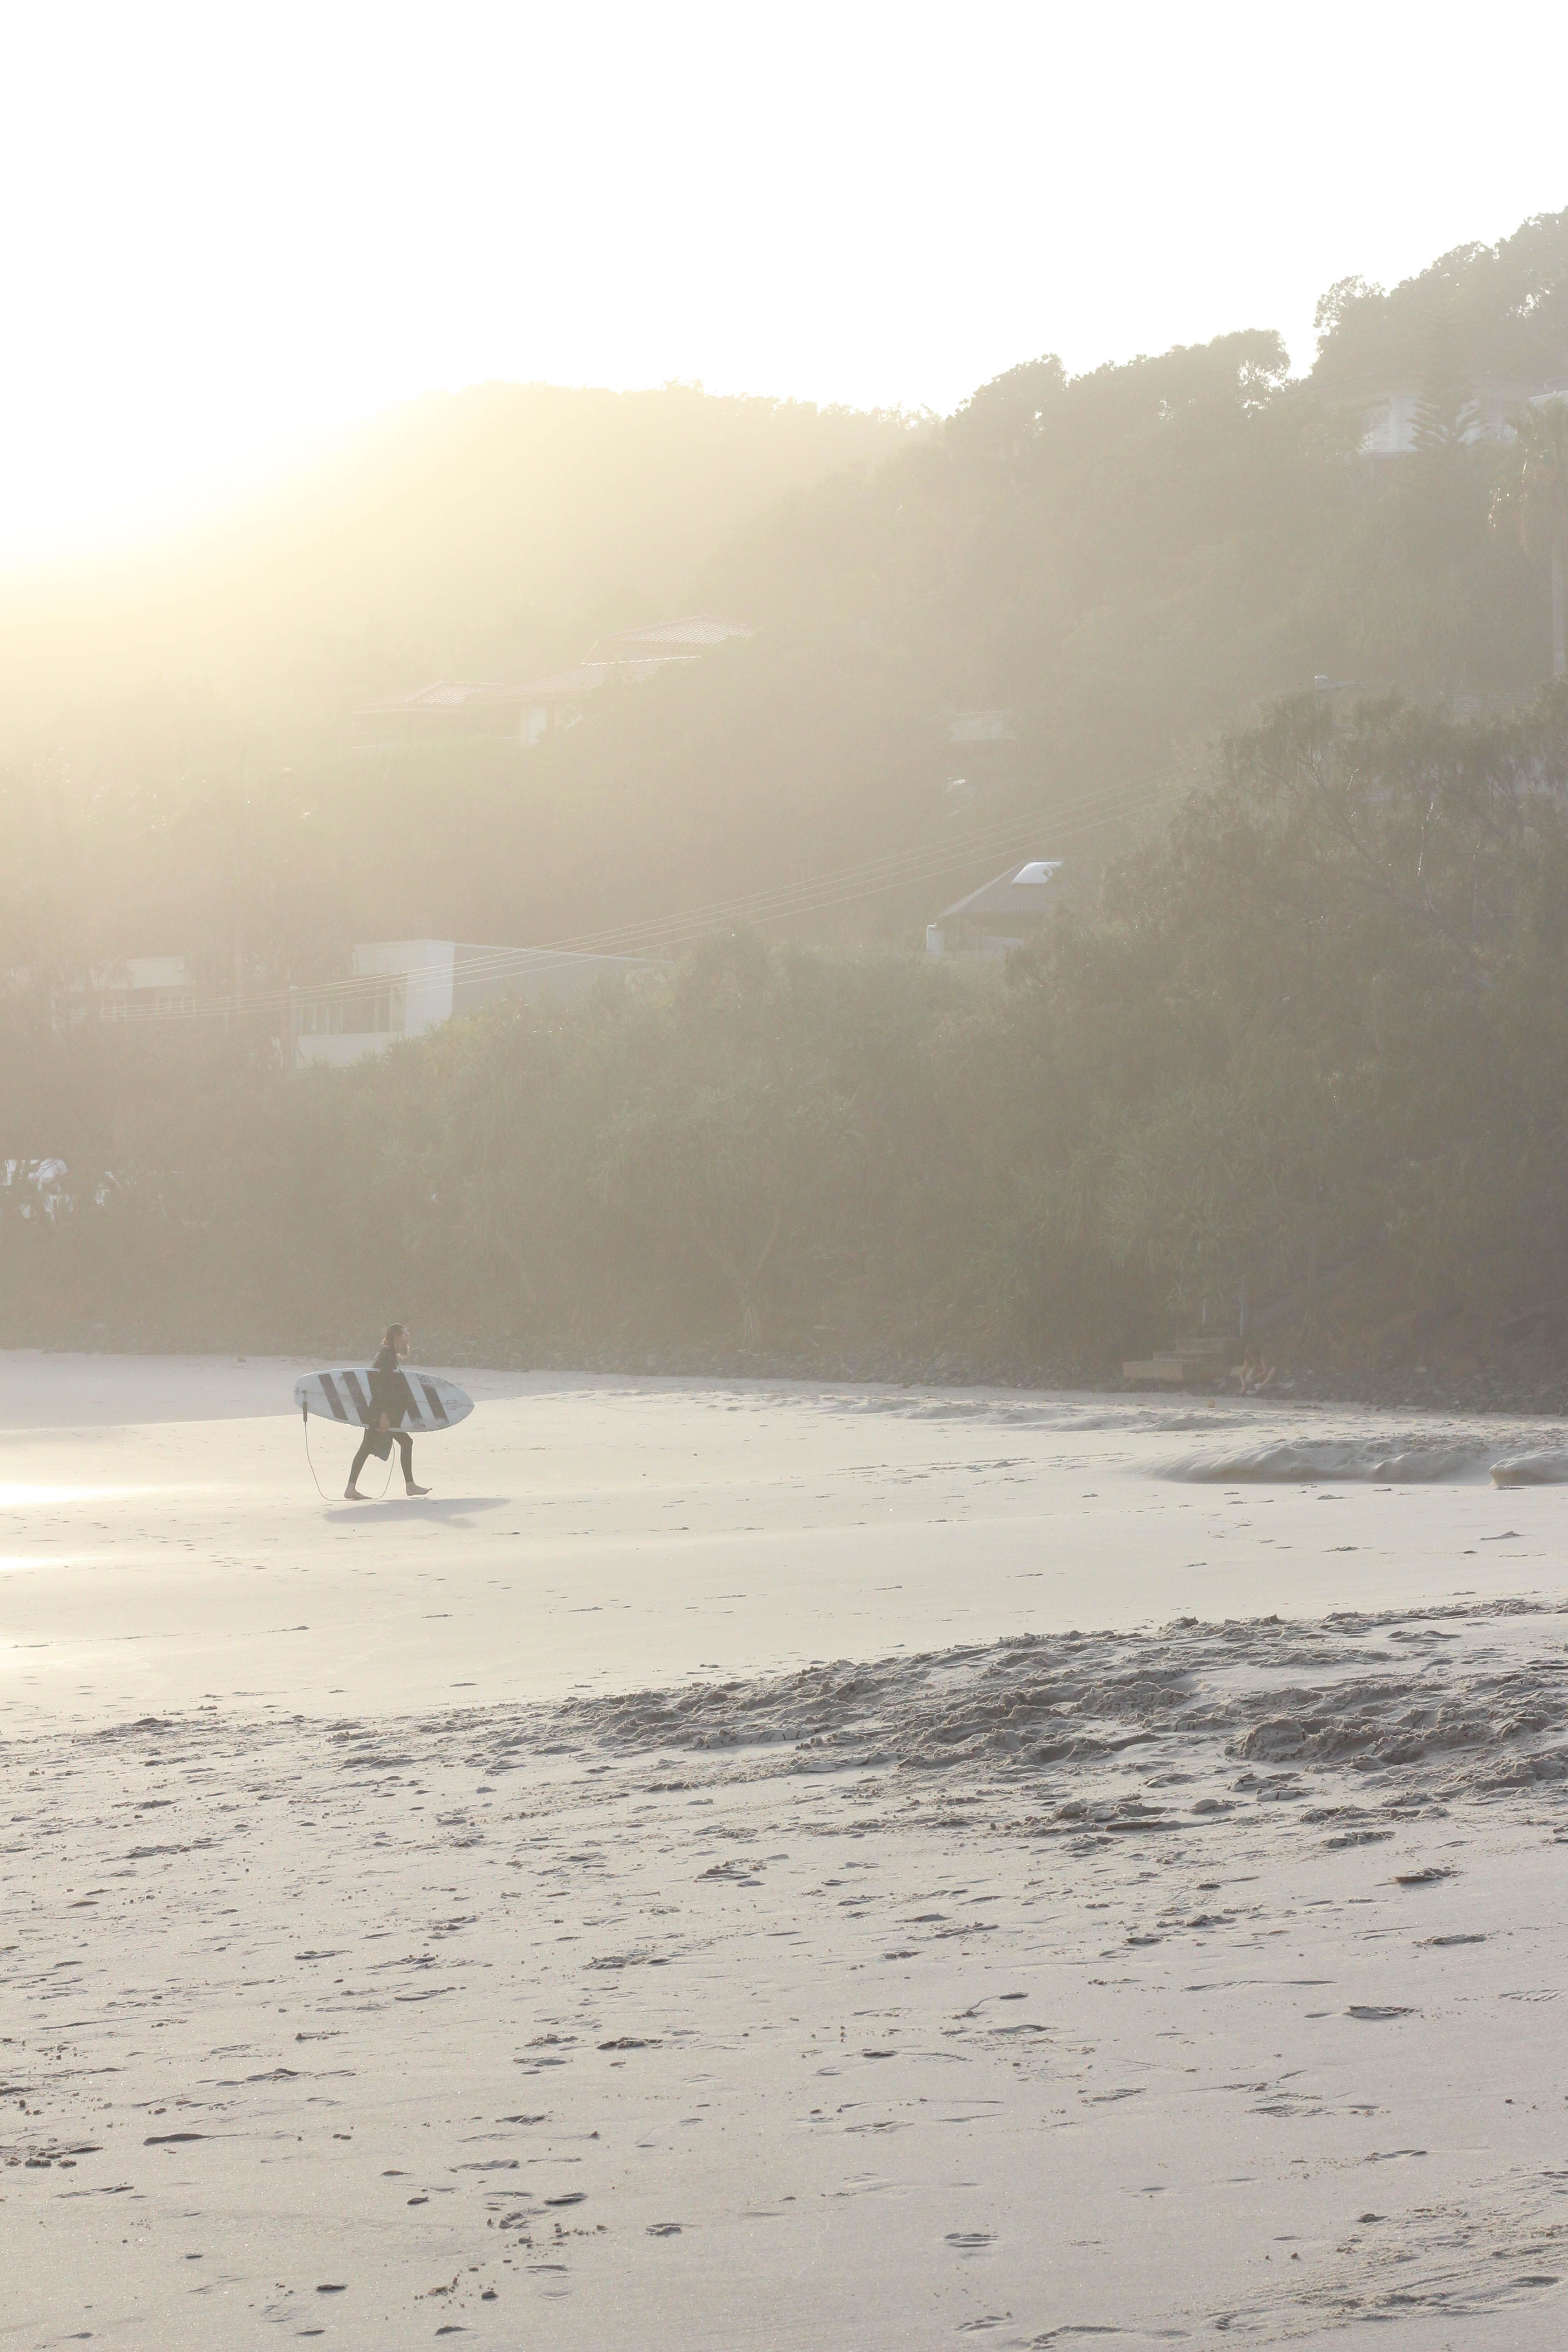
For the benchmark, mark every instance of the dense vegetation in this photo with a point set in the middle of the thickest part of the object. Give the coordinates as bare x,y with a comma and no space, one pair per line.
1483,310
1315,1040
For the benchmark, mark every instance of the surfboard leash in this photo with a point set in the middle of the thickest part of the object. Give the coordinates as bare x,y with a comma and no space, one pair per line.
305,1417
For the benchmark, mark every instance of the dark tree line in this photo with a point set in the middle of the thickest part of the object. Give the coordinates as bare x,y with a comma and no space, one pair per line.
1313,1043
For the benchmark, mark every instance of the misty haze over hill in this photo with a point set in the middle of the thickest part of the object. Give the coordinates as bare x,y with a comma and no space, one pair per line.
1119,563
1128,517
1018,632
475,533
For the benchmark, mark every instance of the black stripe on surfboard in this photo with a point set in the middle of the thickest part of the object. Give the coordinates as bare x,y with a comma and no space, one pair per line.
329,1391
433,1398
358,1397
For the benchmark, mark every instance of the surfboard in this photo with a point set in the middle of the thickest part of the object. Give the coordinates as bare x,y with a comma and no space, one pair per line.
427,1404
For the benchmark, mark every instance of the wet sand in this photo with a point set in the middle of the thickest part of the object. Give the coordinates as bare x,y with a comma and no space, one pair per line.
598,1533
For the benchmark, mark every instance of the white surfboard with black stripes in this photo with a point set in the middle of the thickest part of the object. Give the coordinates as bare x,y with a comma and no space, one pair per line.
422,1402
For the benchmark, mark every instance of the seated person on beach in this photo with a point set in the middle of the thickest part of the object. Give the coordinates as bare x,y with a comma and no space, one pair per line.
388,1401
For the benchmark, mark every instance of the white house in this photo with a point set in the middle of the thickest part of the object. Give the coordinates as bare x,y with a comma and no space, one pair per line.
1005,913
1390,415
402,988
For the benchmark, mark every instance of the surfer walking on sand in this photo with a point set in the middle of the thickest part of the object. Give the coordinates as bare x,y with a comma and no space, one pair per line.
388,1395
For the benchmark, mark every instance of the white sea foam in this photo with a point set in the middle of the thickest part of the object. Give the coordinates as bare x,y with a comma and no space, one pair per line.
1372,1461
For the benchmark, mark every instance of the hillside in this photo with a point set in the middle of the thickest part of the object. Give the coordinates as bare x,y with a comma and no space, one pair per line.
1307,1043
1482,310
482,533
1125,564
1117,567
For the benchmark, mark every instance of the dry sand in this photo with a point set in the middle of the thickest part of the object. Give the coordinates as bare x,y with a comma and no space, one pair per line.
749,1865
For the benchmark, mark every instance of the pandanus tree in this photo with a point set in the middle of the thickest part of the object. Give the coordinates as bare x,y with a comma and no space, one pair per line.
1533,497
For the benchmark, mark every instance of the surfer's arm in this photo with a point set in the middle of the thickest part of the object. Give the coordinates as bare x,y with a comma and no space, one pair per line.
382,1395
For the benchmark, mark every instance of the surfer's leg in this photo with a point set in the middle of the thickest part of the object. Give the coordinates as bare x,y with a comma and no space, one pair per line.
405,1445
350,1492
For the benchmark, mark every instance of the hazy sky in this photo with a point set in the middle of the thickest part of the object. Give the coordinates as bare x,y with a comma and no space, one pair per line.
224,222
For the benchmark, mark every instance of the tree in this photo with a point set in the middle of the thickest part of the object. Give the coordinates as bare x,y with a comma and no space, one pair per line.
1533,496
1445,412
736,1141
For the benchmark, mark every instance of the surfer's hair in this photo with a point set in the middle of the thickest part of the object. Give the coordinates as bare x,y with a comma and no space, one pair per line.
394,1331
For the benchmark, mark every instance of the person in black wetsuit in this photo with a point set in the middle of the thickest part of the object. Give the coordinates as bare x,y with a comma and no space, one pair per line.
388,1399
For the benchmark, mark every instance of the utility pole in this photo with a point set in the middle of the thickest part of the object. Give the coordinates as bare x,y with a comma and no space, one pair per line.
238,850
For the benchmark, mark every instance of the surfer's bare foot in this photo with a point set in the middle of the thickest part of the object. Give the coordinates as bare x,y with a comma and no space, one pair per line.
353,1495
418,1490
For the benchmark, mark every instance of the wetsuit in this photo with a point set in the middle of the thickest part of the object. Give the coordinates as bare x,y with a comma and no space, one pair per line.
388,1395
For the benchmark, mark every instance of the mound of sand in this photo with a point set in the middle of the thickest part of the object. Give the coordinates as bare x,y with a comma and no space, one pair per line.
777,2011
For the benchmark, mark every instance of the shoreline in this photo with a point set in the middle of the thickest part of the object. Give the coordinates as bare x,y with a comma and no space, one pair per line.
1495,1389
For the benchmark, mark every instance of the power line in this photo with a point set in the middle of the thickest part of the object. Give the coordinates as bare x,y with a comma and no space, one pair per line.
813,894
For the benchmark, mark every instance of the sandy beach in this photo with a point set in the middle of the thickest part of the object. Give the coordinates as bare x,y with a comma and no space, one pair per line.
751,1864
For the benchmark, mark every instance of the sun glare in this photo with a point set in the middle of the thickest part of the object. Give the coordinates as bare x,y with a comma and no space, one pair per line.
214,243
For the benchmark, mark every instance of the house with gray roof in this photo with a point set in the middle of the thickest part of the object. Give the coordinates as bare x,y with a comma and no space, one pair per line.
1005,913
